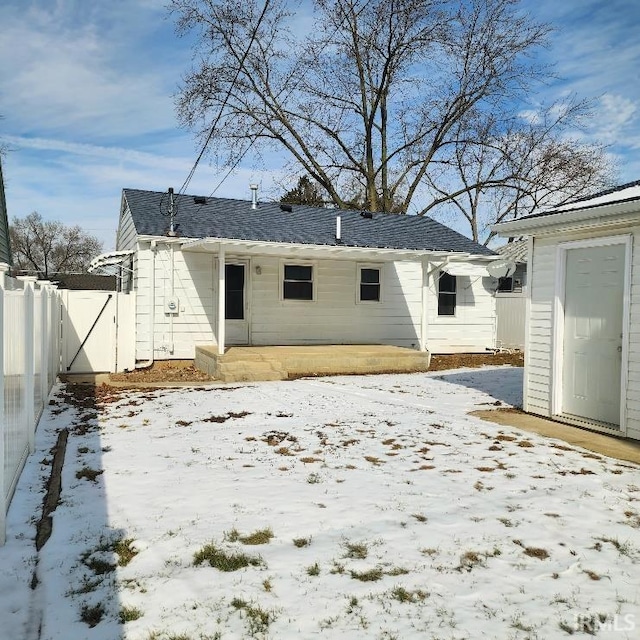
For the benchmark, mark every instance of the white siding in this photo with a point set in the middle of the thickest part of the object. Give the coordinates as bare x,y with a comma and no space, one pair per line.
542,269
174,336
334,317
538,357
473,328
126,231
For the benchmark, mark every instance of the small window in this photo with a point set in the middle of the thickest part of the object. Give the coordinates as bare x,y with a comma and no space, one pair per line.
369,284
298,282
505,284
446,294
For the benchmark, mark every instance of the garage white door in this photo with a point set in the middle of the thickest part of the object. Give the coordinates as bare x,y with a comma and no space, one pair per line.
592,356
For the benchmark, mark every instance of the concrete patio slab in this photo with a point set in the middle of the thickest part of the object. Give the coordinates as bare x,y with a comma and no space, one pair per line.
614,447
285,362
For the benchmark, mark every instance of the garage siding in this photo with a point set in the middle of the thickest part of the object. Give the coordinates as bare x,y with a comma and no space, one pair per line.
542,288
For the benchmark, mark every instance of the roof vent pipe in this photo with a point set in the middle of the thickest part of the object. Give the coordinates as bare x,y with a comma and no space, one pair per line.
254,195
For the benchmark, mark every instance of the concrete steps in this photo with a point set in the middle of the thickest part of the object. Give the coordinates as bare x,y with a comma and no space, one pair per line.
242,364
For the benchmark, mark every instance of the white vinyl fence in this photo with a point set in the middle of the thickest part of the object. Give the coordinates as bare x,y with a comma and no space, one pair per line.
30,353
511,309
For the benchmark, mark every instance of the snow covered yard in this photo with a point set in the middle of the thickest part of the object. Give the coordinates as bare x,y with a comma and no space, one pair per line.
347,507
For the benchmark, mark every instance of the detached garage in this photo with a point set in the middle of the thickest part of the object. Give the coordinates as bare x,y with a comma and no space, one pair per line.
582,342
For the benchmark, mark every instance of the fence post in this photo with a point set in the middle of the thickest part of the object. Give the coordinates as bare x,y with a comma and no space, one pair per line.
3,490
44,340
56,365
29,284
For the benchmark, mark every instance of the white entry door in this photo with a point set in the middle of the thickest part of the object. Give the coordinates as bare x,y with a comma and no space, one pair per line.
236,307
593,330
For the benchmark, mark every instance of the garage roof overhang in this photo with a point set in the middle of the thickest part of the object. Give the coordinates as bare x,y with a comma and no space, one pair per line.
573,218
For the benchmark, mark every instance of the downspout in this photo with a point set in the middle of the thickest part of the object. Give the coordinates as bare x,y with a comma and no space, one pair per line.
173,250
152,307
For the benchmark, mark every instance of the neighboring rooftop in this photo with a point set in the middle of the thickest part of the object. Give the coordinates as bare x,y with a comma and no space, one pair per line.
204,217
84,281
515,251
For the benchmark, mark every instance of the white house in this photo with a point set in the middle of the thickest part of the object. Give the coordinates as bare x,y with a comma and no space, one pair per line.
214,271
582,349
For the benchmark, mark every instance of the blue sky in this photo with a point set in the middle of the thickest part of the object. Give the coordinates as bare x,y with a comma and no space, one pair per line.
86,95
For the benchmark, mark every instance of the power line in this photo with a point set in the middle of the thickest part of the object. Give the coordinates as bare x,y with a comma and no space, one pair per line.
185,184
253,141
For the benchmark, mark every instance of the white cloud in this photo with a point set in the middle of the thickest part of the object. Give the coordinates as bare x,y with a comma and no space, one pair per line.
616,115
66,75
79,183
119,154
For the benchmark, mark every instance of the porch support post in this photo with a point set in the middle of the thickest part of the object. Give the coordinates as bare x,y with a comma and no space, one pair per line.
221,299
424,325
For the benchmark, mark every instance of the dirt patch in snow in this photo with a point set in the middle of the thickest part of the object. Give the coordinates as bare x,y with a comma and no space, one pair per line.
184,371
459,360
168,371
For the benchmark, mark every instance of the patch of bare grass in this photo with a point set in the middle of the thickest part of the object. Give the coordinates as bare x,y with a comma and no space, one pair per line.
257,618
370,575
301,542
92,615
125,551
224,560
355,550
87,473
129,614
260,536
404,595
533,552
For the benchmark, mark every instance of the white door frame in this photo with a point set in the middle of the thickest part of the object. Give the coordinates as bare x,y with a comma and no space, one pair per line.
557,346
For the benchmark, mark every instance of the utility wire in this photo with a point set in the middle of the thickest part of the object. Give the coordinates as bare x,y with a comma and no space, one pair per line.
253,141
185,184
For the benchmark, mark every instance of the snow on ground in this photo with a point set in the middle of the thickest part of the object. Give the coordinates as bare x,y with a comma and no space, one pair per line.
384,511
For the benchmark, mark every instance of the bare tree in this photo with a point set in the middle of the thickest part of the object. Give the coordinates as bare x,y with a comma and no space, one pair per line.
380,97
47,247
506,174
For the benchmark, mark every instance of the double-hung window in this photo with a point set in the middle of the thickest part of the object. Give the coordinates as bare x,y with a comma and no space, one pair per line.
297,282
446,294
369,283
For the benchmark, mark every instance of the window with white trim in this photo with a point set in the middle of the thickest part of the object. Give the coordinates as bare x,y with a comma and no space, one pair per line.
446,294
369,283
297,282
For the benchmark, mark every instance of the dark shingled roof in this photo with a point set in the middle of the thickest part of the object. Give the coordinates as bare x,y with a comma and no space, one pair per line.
84,281
235,219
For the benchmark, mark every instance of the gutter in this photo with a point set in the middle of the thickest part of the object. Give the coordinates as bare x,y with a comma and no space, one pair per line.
604,214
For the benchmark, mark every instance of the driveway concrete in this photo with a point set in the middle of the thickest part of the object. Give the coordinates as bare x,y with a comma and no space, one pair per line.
612,446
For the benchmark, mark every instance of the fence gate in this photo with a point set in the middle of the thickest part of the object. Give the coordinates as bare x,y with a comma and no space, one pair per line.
98,331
